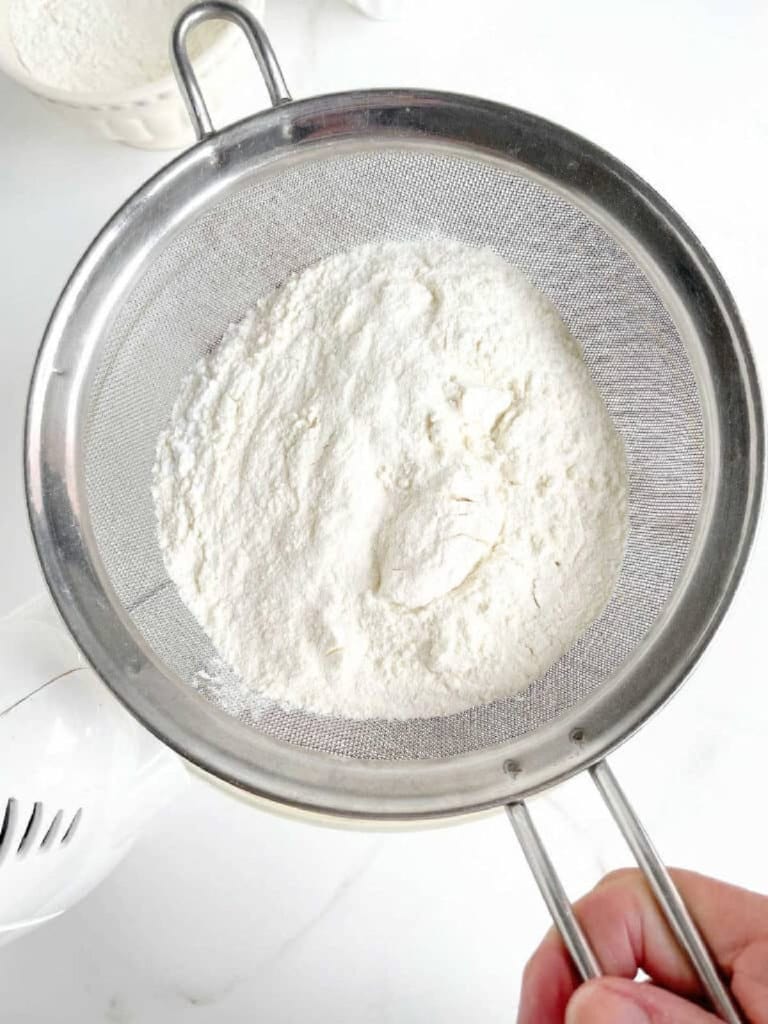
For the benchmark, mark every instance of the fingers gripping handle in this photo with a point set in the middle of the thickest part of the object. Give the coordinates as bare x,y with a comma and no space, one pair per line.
185,73
657,876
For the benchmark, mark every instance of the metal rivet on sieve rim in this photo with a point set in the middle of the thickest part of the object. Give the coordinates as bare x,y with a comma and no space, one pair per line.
577,736
512,768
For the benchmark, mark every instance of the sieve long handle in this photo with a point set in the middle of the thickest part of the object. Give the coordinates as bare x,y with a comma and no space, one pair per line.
185,73
558,904
667,896
664,889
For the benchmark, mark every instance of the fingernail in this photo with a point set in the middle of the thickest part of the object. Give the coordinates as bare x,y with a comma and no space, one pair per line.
596,1004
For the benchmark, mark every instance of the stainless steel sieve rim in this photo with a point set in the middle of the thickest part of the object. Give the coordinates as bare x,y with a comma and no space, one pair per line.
207,736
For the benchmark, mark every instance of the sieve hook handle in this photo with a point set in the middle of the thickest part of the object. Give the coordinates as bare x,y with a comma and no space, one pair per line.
185,74
656,874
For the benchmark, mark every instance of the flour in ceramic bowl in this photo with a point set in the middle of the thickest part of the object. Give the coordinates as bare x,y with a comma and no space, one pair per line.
99,45
393,489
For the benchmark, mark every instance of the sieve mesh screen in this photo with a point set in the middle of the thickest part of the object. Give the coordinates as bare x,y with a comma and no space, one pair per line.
243,247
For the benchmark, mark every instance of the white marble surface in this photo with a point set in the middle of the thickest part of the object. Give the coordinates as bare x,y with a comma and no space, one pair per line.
223,913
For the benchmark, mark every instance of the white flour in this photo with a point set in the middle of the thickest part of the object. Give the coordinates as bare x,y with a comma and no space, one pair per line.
98,45
393,489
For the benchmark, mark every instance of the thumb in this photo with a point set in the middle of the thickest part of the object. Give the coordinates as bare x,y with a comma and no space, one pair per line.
618,1001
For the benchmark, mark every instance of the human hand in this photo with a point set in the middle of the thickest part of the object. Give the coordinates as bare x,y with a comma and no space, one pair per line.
627,932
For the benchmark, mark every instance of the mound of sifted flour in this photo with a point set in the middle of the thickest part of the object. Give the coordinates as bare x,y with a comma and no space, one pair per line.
393,489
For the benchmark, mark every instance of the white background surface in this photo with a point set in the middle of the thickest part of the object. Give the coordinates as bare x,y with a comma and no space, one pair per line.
226,914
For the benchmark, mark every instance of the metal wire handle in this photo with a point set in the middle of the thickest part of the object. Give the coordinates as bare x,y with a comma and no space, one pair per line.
185,73
669,899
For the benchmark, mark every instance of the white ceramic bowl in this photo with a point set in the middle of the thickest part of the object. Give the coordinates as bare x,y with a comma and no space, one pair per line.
150,116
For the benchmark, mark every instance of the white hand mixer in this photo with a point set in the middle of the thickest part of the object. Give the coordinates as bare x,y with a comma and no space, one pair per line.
79,778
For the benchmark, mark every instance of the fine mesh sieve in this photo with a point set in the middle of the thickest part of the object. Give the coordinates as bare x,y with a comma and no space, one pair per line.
225,224
631,344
